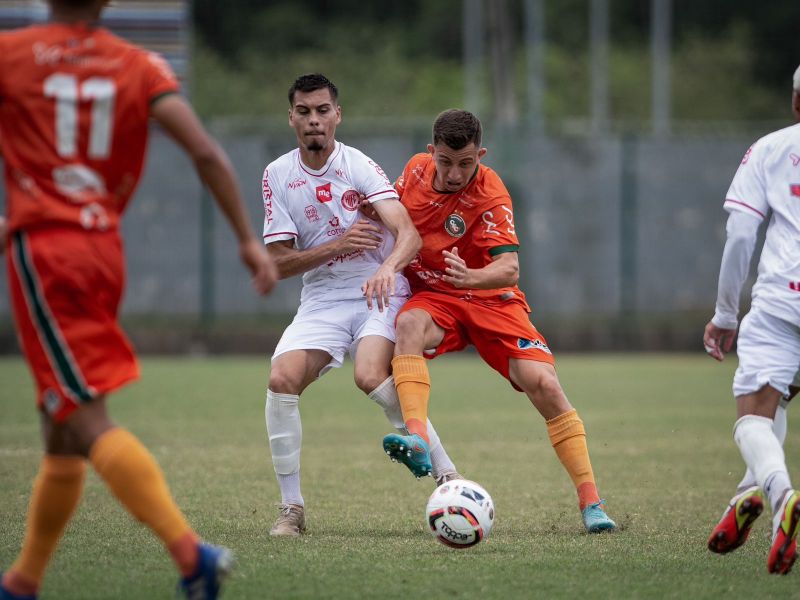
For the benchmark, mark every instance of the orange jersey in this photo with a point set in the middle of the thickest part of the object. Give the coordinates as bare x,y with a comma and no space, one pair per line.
478,220
74,109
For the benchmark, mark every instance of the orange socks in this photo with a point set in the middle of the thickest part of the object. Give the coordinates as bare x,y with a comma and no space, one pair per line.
568,438
413,388
56,493
135,478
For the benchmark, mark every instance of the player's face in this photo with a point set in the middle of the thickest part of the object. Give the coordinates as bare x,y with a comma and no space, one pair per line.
314,118
454,168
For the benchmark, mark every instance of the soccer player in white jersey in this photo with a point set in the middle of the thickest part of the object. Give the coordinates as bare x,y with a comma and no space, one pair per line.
352,280
767,184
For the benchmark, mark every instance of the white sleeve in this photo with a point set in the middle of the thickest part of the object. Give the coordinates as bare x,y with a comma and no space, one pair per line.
278,224
748,191
742,228
370,180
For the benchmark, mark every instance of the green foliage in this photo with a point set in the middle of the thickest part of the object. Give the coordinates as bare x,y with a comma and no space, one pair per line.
658,430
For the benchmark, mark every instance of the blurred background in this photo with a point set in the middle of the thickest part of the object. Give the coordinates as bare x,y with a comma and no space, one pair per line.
617,126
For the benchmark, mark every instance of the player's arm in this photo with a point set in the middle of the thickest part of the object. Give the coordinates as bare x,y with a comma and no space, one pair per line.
178,118
502,272
290,261
381,286
742,229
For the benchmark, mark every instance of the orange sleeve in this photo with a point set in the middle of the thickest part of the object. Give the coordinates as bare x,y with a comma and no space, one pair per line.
159,79
497,233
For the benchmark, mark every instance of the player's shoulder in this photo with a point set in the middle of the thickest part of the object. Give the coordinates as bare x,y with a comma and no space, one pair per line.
490,182
282,166
421,159
777,141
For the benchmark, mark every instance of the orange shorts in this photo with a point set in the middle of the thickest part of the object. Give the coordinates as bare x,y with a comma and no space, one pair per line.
499,331
66,287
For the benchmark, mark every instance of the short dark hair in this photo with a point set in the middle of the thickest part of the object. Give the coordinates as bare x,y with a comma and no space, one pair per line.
457,128
312,82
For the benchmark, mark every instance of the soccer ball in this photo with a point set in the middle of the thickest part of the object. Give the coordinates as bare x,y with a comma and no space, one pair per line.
460,513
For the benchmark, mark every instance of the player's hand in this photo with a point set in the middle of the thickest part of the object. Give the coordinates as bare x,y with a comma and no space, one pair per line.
256,258
456,272
366,209
380,286
3,234
363,235
717,341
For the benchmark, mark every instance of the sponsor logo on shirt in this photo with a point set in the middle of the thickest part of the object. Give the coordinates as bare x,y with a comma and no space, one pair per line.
337,230
311,214
794,189
455,226
746,156
340,173
525,344
324,193
266,194
795,159
351,199
299,182
347,256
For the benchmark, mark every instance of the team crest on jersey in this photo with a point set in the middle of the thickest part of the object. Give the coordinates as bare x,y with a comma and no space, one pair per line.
794,189
324,193
351,199
455,226
525,344
311,214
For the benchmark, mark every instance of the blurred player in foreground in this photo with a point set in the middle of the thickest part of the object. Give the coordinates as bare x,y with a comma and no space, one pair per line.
464,286
352,289
768,180
75,102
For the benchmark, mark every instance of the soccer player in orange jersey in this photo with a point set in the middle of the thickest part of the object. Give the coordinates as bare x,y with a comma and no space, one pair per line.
75,102
464,291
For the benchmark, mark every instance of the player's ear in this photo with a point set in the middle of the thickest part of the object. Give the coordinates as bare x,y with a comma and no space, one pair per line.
481,153
431,148
338,113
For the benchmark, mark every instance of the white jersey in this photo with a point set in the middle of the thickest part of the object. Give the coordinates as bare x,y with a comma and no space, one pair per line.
313,207
769,180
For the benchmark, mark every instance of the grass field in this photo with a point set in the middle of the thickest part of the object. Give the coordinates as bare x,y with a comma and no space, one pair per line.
659,433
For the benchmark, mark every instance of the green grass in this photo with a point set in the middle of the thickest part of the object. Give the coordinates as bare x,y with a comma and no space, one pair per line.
659,433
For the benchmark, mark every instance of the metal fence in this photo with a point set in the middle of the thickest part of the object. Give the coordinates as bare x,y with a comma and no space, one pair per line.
609,226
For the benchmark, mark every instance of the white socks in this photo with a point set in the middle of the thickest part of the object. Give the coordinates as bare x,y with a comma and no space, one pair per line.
764,456
779,428
385,395
282,413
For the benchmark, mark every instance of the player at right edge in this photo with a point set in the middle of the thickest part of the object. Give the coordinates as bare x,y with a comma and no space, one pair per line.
767,182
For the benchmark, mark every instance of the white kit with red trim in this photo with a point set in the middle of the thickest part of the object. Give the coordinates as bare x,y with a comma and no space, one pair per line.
768,180
313,207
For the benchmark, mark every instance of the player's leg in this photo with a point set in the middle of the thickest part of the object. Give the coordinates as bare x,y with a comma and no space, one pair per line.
372,376
768,351
291,373
567,434
54,498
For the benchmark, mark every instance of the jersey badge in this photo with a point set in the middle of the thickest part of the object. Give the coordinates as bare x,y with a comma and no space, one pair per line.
351,200
324,192
794,189
311,214
455,226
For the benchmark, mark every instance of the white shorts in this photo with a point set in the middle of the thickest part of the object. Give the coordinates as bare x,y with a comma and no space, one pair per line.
337,326
769,353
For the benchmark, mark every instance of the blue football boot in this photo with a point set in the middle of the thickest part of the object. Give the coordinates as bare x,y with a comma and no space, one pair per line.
214,564
595,518
411,450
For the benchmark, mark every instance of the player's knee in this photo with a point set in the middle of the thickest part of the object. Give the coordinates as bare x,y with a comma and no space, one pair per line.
369,380
283,382
546,388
